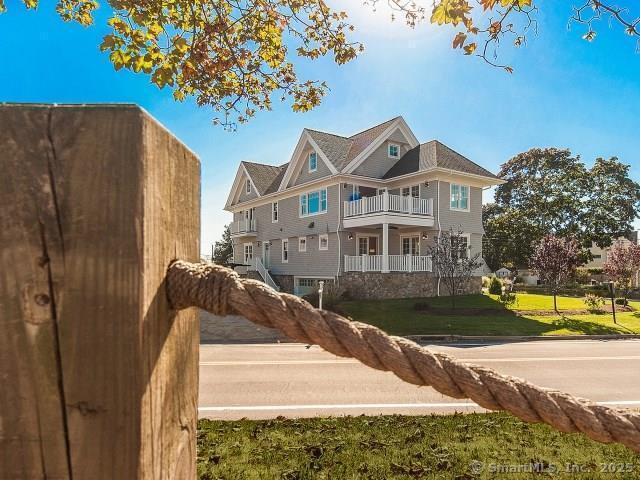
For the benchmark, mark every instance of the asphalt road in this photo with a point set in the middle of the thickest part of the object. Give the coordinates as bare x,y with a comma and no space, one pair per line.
265,381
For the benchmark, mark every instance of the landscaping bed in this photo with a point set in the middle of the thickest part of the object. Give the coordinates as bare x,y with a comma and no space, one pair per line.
461,447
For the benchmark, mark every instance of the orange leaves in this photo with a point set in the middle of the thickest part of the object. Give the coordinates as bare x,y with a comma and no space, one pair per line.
458,40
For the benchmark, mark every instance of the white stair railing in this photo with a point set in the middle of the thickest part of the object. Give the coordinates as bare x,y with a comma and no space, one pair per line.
264,273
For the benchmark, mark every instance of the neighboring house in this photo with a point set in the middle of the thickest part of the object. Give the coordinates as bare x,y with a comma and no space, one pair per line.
361,210
503,273
599,255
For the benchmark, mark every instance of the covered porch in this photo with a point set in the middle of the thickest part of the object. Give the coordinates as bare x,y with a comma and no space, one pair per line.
387,248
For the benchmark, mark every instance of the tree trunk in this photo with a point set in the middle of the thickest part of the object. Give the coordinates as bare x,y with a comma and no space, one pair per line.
555,302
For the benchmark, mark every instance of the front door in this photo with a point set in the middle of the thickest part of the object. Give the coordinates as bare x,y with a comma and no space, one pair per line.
410,245
267,255
368,245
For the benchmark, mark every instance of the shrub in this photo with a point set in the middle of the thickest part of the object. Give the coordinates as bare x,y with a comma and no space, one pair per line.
518,280
621,301
495,286
508,299
593,302
486,281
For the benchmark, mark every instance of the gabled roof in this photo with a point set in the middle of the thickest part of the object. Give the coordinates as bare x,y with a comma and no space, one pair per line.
363,139
262,175
435,154
334,147
266,178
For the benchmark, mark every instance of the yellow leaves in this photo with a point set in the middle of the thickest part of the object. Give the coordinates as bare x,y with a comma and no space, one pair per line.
118,59
450,11
3,7
469,48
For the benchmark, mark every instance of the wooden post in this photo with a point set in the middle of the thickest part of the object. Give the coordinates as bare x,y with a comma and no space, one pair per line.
99,378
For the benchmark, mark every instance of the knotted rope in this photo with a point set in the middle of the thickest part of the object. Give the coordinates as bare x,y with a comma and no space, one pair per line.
221,291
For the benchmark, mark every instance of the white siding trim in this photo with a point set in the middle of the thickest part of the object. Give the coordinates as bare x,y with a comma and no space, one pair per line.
320,237
398,124
297,157
453,209
237,185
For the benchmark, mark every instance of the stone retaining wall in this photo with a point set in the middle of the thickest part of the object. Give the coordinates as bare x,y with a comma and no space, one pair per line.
374,285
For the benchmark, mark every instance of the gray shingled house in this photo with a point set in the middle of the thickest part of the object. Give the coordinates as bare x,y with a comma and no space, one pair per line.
358,210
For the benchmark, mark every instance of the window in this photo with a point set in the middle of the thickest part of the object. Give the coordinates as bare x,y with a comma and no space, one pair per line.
394,150
247,185
248,253
413,191
461,247
306,282
285,250
380,191
313,203
459,197
313,162
302,244
323,241
274,212
596,257
410,245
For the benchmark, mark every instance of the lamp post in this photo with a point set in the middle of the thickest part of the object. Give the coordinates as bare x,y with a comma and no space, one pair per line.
320,290
613,301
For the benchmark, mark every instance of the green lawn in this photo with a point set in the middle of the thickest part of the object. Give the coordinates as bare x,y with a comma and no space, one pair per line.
399,317
401,447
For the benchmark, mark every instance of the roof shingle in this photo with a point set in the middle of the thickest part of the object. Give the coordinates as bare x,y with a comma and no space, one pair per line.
435,154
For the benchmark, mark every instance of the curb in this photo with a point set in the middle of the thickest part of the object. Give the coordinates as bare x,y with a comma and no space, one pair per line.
513,338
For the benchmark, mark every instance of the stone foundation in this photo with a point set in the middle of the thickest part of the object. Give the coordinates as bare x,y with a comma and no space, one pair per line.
375,285
285,282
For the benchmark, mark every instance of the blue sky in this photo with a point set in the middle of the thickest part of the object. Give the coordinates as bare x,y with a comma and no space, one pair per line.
564,92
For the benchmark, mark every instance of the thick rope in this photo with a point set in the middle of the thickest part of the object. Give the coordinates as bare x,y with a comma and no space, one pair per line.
221,291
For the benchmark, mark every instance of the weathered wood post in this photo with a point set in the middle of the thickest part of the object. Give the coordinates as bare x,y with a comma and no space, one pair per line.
98,377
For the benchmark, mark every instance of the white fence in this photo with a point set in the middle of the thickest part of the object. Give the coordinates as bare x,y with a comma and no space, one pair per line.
397,263
243,226
388,203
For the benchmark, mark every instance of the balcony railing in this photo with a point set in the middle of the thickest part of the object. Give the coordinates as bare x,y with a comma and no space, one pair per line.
396,263
388,203
243,226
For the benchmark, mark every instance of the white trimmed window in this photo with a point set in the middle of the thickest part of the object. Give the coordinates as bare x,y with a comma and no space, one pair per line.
313,162
248,253
313,203
412,191
459,197
323,241
247,186
410,245
306,282
463,245
285,250
302,244
394,150
274,212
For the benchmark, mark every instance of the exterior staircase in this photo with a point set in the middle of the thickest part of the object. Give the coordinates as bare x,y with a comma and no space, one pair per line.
264,273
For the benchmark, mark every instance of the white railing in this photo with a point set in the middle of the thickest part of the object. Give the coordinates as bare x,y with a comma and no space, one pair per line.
258,266
363,263
388,203
243,226
397,263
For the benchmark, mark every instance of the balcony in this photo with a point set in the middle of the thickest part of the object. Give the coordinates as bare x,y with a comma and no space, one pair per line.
394,263
246,227
387,208
388,203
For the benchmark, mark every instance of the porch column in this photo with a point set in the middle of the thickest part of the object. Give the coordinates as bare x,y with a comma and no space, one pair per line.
385,248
